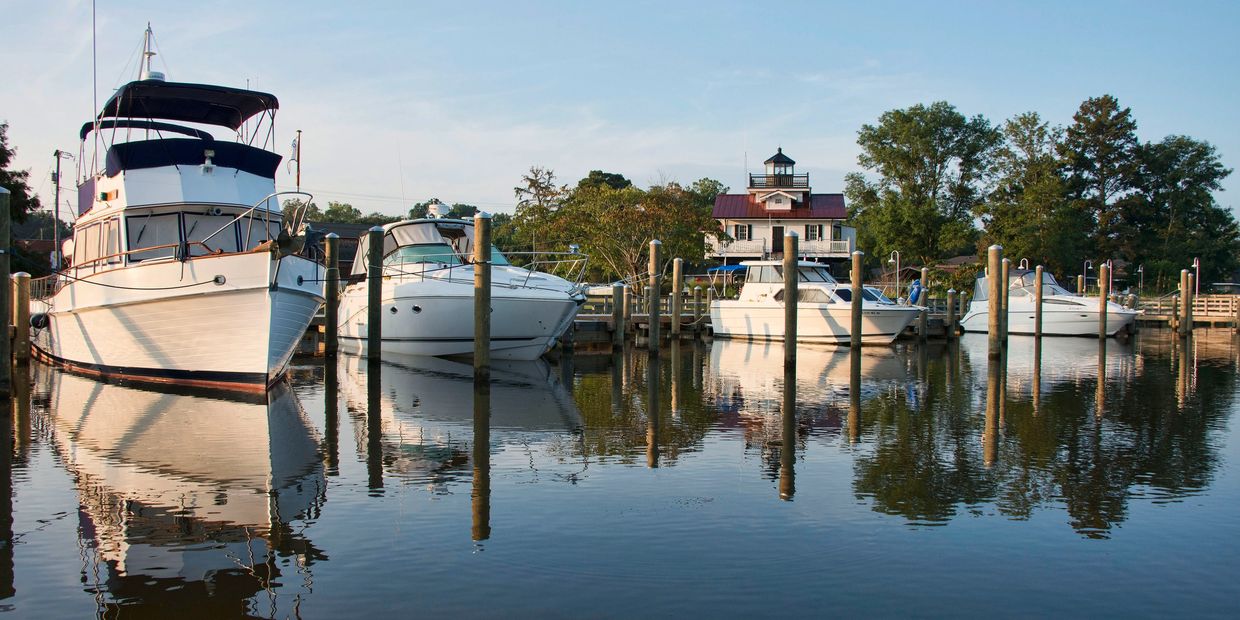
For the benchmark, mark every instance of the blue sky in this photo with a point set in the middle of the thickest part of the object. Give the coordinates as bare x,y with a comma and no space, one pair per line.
403,101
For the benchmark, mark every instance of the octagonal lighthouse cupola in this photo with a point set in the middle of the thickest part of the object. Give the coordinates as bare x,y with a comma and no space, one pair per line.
779,188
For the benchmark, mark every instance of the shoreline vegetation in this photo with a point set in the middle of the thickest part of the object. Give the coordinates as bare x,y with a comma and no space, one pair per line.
934,184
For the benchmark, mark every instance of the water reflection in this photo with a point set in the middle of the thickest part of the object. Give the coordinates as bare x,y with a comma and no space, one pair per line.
185,499
418,417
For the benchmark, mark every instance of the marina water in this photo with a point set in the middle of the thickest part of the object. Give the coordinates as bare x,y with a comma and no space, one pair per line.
1070,479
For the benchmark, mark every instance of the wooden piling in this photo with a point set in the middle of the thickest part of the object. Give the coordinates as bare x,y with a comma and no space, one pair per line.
994,273
1190,294
858,258
374,294
1080,285
655,248
1104,296
678,285
482,296
1037,302
1175,313
950,328
21,317
6,356
697,309
331,296
923,318
617,314
1183,319
628,308
791,278
1007,289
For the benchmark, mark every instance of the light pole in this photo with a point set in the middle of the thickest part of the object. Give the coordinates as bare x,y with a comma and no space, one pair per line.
1197,269
56,258
1024,264
1141,285
1110,276
895,258
1089,264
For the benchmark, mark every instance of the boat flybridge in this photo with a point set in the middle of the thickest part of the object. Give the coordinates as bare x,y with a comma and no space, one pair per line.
182,267
1063,313
428,295
824,308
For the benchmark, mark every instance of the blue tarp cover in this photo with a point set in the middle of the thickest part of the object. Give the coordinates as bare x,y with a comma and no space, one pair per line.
726,269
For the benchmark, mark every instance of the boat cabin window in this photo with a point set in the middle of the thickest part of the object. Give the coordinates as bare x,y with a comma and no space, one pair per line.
153,231
198,226
86,246
111,240
765,274
497,257
815,274
423,253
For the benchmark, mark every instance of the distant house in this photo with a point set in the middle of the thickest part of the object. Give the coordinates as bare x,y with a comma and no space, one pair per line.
777,201
349,235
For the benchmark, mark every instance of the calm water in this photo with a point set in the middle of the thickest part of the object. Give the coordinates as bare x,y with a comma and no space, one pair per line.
913,480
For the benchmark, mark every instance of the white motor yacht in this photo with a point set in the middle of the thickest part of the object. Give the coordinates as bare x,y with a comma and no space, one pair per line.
182,267
824,308
428,295
1063,313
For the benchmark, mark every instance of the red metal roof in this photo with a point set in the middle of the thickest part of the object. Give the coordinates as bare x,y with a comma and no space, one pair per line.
740,206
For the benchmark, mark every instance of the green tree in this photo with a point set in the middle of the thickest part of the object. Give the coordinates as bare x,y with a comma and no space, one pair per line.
21,201
1099,151
342,213
1029,212
610,179
538,198
931,163
1173,217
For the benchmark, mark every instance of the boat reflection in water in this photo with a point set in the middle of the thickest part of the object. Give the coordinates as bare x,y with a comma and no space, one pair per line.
425,424
186,499
1055,361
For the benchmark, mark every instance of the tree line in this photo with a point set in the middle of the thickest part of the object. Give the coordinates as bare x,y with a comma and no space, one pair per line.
938,184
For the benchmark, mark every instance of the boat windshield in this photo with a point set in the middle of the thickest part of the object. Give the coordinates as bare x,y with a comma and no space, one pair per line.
815,274
440,253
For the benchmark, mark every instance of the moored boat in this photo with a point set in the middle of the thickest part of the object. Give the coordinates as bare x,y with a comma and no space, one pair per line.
824,308
182,267
428,296
1063,313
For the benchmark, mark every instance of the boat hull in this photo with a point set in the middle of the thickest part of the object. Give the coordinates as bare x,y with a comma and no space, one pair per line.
522,328
816,323
1056,320
213,321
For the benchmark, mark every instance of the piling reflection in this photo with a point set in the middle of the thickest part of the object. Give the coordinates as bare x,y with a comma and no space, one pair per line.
424,412
788,439
186,499
652,411
480,494
374,427
331,417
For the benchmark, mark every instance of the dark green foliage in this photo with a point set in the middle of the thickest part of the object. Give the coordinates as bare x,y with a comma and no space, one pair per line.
1099,153
22,201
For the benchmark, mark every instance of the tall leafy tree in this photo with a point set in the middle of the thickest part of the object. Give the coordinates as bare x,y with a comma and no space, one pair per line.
22,200
1028,212
1173,217
1099,152
538,198
610,179
932,166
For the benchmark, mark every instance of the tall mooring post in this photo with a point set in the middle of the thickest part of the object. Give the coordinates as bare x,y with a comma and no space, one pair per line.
1104,296
994,275
858,260
1080,285
617,314
923,318
1037,302
1183,319
656,248
949,330
482,297
1007,289
21,317
628,307
374,294
1191,295
678,285
6,293
331,296
697,309
791,276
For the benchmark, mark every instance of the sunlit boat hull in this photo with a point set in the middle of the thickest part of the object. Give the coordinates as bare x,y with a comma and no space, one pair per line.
213,321
816,323
1058,319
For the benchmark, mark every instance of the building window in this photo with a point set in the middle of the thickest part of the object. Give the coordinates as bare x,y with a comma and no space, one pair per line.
742,232
837,232
779,201
813,232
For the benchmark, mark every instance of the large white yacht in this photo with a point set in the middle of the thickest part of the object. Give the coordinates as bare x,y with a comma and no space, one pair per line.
824,308
428,295
182,267
1063,313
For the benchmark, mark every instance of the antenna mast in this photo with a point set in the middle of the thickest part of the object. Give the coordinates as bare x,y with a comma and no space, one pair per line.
148,52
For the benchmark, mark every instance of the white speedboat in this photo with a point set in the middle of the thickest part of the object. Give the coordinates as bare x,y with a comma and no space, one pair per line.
182,267
1063,313
428,296
824,309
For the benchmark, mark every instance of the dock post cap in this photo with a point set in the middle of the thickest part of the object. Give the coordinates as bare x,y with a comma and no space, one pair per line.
858,253
4,191
790,233
375,229
331,236
483,215
995,247
21,274
655,242
951,290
